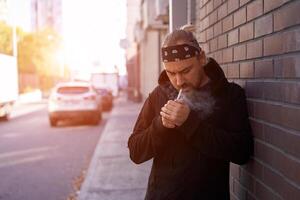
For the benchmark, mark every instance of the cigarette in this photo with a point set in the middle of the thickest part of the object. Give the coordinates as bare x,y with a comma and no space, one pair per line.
179,94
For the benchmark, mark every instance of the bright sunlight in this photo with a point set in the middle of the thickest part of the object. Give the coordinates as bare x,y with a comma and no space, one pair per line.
91,34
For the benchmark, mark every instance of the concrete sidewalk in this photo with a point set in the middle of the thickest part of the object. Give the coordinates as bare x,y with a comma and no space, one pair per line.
112,175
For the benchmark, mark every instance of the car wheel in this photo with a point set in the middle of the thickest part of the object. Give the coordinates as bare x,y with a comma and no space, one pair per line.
5,117
53,122
95,120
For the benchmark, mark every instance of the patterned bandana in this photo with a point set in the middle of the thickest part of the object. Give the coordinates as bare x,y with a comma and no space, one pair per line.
178,52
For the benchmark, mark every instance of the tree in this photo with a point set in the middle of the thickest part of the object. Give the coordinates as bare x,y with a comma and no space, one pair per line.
6,44
38,54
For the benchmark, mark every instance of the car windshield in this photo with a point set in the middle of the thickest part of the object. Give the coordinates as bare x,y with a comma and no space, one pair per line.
72,90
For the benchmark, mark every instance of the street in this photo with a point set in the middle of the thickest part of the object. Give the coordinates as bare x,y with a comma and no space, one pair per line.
39,162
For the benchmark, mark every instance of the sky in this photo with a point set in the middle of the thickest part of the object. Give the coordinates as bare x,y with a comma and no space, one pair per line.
92,30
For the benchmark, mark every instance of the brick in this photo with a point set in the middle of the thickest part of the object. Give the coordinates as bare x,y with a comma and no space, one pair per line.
239,191
254,49
246,180
262,192
213,44
264,25
291,169
279,183
222,11
246,70
275,136
239,52
205,1
255,89
218,29
290,192
250,107
228,55
209,7
291,117
202,12
243,2
287,67
287,141
201,3
233,5
268,154
210,33
291,41
273,91
268,112
272,4
204,24
239,17
264,69
235,171
271,113
233,37
254,168
233,71
232,197
224,68
213,17
287,16
217,3
273,180
257,127
250,196
254,9
222,41
218,57
205,47
273,45
291,91
202,36
228,23
246,32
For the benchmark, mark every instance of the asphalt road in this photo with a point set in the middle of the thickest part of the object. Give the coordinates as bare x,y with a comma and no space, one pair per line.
38,162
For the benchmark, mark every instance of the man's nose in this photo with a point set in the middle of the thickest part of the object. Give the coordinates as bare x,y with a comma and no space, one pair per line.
179,80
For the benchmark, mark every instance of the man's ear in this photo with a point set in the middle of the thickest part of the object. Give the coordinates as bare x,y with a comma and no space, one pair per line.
202,58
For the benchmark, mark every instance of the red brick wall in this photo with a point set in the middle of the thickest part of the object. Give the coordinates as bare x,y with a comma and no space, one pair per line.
257,42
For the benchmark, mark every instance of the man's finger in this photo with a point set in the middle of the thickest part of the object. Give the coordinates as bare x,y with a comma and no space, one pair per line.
167,123
167,111
165,115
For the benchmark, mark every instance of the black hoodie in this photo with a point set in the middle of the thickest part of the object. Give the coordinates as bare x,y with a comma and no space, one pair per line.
192,161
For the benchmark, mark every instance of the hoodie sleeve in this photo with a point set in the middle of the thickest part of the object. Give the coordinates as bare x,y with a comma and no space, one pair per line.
148,134
233,143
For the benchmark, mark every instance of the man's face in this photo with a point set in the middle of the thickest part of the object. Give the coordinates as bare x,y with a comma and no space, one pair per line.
185,74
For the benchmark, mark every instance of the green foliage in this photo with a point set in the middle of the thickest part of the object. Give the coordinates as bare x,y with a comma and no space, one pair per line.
37,53
6,44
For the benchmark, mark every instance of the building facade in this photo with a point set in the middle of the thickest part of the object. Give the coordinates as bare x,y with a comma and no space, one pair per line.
45,14
257,43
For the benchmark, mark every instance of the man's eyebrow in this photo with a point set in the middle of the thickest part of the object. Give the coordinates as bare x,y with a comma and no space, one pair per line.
190,66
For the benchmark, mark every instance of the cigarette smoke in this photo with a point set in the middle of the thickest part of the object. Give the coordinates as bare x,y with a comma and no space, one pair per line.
199,100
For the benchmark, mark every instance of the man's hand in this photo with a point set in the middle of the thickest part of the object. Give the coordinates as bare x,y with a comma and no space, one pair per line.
174,113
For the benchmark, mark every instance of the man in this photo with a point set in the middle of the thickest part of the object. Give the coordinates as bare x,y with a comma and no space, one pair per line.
193,124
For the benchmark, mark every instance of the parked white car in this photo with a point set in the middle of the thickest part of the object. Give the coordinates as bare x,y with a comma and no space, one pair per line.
74,100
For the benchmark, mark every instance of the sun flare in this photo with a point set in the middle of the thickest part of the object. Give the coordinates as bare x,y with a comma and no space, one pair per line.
92,32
